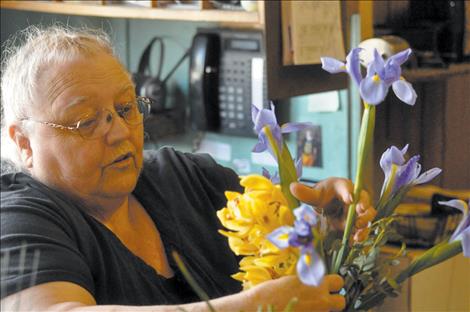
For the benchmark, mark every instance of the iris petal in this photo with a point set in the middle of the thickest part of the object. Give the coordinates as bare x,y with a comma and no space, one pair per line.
400,57
466,242
427,176
407,173
405,149
378,64
353,65
457,204
279,237
333,66
392,156
306,213
373,91
370,70
464,225
277,134
302,229
294,126
266,173
310,268
404,91
275,179
261,145
265,117
254,113
298,167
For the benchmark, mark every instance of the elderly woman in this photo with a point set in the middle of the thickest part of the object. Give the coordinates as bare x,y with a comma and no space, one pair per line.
88,219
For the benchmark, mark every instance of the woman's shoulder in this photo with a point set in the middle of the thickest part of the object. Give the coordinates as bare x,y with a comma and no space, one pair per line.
168,154
168,161
24,198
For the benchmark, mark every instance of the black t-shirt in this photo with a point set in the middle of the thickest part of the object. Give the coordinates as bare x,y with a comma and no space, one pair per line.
181,192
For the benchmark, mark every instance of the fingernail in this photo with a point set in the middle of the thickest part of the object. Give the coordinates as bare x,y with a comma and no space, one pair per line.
350,198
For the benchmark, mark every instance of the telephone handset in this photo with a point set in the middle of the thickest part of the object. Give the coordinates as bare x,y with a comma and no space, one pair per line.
227,76
203,81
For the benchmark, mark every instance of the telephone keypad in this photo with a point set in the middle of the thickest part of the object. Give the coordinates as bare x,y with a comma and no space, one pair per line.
238,49
235,95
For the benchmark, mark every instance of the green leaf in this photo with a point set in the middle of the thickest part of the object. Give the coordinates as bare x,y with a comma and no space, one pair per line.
394,262
287,174
431,257
191,281
366,135
290,305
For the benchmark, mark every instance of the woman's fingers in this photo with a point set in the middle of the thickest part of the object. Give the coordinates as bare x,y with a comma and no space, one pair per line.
361,234
365,212
363,203
334,282
343,189
322,193
363,219
337,303
306,194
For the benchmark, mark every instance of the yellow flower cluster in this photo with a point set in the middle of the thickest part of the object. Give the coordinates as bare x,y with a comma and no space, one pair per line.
251,216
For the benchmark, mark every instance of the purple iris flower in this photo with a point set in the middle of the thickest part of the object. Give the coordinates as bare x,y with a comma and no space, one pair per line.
352,65
381,75
310,267
275,179
462,232
406,173
266,118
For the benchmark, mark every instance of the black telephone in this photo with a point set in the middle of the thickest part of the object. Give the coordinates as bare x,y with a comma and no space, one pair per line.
226,76
203,81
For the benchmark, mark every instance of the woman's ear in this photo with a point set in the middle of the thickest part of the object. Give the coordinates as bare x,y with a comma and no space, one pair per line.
23,145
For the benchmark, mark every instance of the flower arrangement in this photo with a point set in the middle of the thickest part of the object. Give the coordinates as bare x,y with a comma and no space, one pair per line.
277,235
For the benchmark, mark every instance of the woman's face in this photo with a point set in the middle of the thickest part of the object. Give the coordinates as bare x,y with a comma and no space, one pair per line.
102,168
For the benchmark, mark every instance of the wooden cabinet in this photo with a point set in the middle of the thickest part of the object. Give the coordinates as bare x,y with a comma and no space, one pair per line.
282,81
436,127
443,287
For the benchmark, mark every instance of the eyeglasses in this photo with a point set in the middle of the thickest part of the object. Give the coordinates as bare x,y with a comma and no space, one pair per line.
98,124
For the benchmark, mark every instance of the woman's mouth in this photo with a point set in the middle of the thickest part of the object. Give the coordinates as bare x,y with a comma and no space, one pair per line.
122,158
122,161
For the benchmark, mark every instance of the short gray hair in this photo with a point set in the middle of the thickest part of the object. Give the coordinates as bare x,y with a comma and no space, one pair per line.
26,55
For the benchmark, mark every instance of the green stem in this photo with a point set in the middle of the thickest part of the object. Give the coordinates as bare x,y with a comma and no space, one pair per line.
286,168
365,143
191,281
388,187
431,257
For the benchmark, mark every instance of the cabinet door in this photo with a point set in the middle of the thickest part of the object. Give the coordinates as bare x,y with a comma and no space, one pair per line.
288,81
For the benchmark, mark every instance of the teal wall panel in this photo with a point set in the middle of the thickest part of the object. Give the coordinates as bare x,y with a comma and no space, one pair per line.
130,38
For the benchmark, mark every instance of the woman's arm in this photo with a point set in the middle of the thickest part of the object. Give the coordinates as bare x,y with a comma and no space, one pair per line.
65,296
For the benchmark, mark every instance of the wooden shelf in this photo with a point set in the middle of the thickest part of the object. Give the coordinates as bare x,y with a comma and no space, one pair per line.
432,74
127,11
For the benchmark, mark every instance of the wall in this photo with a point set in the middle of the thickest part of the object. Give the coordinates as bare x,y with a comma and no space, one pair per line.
130,38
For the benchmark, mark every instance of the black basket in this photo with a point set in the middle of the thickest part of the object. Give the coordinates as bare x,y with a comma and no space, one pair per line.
428,230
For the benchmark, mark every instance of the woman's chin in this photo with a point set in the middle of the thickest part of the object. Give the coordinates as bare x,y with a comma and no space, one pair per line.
120,181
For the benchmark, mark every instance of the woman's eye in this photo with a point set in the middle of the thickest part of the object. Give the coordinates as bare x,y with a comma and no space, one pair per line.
87,123
124,110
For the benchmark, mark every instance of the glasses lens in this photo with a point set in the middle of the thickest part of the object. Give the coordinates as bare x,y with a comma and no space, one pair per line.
133,113
144,105
96,125
130,113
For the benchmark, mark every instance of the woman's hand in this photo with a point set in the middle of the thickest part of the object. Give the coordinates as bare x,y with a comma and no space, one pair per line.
280,291
334,195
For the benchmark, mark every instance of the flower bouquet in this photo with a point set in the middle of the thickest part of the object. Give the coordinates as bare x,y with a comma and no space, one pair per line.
277,235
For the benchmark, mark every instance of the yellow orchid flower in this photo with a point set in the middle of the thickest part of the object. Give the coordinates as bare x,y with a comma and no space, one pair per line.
249,218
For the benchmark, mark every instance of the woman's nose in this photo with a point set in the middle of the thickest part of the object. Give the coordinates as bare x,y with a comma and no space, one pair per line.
119,129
